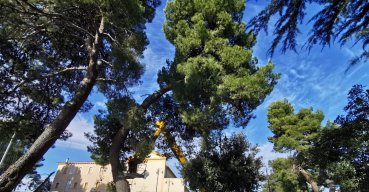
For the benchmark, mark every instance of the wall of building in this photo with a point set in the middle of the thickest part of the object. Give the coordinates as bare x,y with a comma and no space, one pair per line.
88,176
81,176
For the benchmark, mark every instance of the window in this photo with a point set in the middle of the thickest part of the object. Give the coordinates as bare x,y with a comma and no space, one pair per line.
72,170
69,184
85,186
102,170
90,170
75,185
56,185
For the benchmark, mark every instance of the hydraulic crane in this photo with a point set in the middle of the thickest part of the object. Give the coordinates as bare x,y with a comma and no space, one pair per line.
160,125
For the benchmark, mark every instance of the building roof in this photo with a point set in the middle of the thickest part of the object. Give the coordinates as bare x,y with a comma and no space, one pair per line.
154,155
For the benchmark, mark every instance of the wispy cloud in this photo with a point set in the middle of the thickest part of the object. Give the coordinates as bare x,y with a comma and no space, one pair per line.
268,154
100,104
77,127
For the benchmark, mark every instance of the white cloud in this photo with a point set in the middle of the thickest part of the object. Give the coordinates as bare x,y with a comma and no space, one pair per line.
100,104
267,152
77,127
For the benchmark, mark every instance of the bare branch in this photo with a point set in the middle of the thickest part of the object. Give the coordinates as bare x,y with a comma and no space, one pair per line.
106,62
107,80
66,70
108,35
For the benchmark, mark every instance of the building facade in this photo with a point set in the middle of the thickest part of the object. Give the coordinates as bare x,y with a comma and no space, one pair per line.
155,176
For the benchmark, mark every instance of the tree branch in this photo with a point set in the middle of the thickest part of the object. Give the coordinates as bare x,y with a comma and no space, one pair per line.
155,96
66,70
106,62
110,37
308,178
54,15
107,80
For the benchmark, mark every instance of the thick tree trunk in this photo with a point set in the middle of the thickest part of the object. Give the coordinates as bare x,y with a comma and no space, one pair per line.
306,175
15,173
121,183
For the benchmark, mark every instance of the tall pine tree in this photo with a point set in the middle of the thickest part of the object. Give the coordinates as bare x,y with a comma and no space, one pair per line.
213,79
52,55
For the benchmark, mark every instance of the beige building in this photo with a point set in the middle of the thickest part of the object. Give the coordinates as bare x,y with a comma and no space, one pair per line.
88,176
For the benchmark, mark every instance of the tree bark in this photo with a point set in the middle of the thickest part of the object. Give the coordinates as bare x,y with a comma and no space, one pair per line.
15,173
306,175
44,182
121,184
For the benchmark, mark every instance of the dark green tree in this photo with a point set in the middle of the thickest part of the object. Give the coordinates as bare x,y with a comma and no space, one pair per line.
292,131
332,154
296,133
52,55
225,164
213,79
284,177
342,149
106,125
336,21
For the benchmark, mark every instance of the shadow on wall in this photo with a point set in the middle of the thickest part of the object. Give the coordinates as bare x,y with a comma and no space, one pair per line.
69,179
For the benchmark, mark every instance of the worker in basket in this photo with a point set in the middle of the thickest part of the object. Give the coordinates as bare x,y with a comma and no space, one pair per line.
132,164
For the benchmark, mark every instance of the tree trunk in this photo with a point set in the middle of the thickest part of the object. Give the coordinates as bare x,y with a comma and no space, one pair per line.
47,179
15,173
121,183
306,175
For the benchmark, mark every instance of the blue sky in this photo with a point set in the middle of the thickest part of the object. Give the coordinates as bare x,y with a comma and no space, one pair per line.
316,79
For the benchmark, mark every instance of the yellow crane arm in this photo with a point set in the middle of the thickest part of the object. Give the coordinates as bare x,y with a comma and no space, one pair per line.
171,141
160,125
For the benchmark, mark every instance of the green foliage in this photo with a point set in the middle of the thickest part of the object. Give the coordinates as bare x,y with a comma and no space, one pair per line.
342,149
284,177
120,112
215,81
168,110
293,131
344,173
337,151
45,47
44,54
337,20
215,72
35,181
226,164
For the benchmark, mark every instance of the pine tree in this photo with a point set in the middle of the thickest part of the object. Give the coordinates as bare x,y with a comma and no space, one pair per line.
296,133
324,155
336,21
213,79
225,164
284,177
52,55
